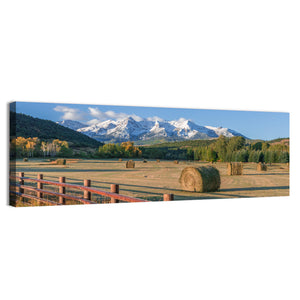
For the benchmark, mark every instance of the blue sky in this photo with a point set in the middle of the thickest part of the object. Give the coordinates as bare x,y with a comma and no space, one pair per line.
253,124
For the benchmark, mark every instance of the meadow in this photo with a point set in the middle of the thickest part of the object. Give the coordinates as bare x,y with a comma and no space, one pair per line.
152,179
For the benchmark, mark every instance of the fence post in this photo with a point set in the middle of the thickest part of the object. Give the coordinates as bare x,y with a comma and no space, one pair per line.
168,197
114,188
62,190
87,194
21,182
39,186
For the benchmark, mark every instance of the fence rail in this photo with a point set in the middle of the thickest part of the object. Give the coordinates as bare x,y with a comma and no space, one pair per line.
18,188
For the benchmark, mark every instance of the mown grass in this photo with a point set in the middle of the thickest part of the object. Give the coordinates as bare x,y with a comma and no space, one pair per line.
153,179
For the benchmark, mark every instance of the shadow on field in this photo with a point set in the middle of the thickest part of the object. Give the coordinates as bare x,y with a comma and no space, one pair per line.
259,188
287,173
183,198
123,187
157,196
139,186
216,197
101,162
66,169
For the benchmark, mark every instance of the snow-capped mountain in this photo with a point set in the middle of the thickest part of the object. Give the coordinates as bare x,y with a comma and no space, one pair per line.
224,131
72,124
130,129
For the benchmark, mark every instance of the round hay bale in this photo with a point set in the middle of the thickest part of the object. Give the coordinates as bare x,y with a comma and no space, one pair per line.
235,168
176,162
25,159
120,159
60,161
261,167
130,164
158,160
202,179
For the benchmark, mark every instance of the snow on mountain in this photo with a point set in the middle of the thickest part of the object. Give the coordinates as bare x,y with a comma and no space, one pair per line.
224,131
75,125
188,129
98,129
130,129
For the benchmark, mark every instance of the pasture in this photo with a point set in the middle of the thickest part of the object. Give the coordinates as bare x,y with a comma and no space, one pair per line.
153,179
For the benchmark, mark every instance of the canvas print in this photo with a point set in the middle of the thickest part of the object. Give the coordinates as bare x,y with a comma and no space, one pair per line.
66,154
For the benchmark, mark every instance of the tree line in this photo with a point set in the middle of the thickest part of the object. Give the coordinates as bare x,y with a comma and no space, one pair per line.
33,147
21,147
236,149
223,149
123,150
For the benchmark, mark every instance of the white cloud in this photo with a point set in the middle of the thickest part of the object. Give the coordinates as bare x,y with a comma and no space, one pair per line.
92,122
102,116
182,120
155,118
70,113
137,118
117,116
94,112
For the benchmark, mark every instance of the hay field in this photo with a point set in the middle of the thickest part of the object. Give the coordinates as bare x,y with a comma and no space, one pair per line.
153,179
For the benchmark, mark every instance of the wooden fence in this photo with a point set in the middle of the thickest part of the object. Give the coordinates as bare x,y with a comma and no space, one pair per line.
38,193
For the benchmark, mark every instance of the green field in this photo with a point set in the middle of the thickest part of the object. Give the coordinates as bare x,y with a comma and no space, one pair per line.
153,179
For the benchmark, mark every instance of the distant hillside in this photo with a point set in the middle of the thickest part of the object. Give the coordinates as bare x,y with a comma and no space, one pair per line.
202,143
285,141
226,150
27,126
173,150
181,144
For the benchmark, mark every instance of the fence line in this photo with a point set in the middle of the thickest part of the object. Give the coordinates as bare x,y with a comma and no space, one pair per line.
18,188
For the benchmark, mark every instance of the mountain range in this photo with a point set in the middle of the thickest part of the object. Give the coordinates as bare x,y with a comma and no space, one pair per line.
145,130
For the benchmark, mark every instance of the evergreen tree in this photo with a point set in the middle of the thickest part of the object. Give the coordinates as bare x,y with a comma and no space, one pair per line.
284,157
221,147
211,155
190,154
260,156
236,143
257,146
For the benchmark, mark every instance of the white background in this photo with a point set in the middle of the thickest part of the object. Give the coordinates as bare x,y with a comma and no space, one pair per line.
197,54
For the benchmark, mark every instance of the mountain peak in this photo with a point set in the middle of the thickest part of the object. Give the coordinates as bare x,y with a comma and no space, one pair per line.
148,129
129,119
71,124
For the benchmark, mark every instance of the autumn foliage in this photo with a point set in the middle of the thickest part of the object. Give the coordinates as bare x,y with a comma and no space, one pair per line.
33,147
126,150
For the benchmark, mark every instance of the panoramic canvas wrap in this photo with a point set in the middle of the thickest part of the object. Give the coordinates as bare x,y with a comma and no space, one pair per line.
64,154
